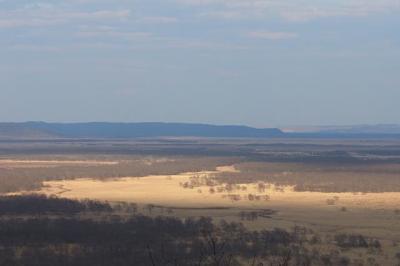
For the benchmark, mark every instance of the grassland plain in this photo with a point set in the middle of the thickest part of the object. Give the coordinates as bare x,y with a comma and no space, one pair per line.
373,215
330,189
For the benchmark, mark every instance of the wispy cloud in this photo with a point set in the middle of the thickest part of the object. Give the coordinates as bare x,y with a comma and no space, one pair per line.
176,24
158,20
43,15
272,35
292,10
35,48
113,33
223,14
27,22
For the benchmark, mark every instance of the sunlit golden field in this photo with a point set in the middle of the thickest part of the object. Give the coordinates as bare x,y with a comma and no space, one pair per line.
368,213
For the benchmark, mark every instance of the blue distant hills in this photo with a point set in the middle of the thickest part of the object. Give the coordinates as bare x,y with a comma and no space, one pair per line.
131,130
108,130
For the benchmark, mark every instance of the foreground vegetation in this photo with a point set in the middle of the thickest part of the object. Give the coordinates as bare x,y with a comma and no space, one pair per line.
108,238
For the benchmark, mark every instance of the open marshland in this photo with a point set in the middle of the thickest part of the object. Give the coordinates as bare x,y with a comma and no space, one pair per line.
337,193
373,214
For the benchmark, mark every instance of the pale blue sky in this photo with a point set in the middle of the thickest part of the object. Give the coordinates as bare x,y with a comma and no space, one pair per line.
255,62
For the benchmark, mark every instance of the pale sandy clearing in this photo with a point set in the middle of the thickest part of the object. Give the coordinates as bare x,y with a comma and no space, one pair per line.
370,214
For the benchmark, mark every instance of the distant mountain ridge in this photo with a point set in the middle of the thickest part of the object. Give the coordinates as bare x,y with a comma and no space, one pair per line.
107,130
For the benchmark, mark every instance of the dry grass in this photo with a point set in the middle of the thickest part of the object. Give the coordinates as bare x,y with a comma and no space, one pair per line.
272,186
369,213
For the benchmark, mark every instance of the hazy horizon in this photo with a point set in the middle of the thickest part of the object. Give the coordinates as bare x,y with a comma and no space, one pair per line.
284,128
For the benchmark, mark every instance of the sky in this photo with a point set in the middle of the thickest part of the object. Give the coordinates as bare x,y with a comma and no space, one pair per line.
255,62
